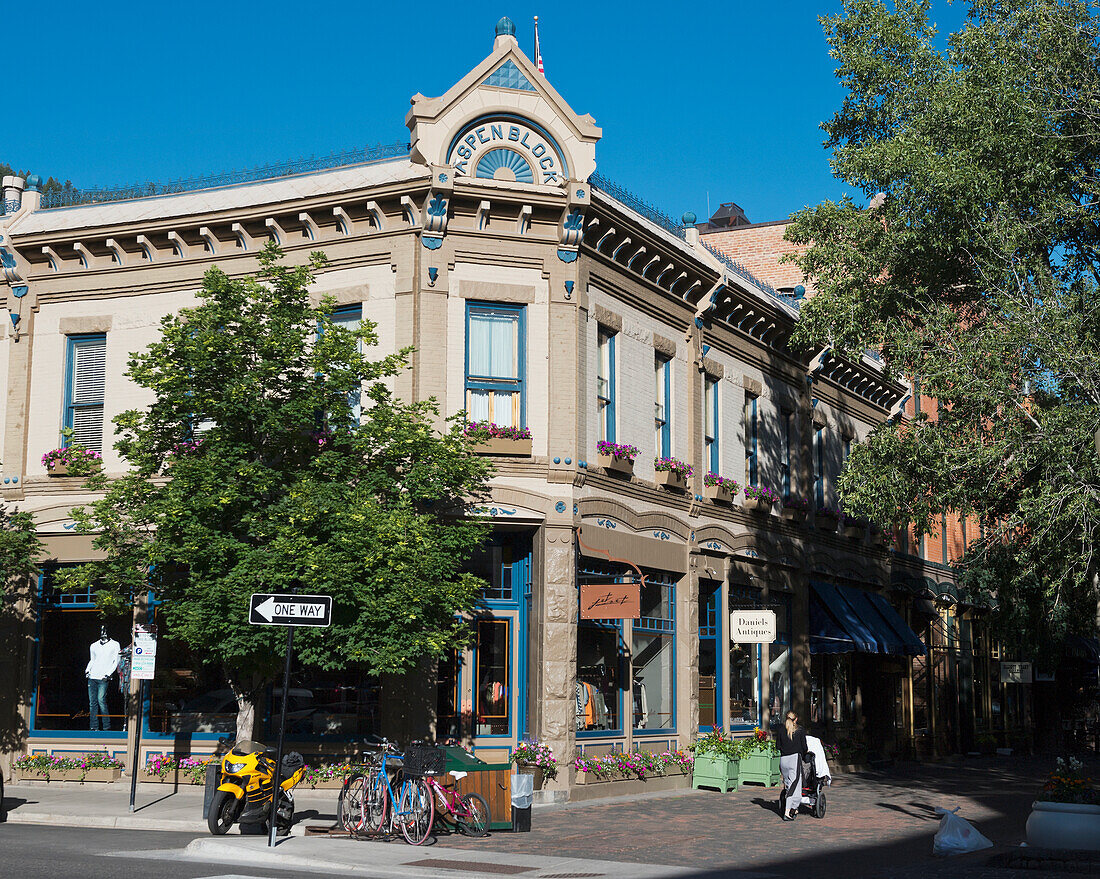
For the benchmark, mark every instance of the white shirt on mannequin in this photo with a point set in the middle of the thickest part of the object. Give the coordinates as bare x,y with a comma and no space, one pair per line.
104,659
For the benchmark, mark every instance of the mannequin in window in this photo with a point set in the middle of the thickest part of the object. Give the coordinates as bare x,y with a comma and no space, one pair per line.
102,664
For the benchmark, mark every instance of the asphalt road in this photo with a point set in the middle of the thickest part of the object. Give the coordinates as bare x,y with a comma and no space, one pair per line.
29,851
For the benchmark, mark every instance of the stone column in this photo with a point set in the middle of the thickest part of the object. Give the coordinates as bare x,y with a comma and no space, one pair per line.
687,653
557,647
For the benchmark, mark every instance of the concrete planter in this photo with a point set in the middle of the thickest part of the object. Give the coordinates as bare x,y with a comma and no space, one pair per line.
760,769
716,772
589,789
504,446
671,479
720,494
77,775
170,777
615,464
1072,826
757,505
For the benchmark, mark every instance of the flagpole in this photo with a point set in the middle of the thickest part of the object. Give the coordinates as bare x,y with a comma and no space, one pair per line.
538,49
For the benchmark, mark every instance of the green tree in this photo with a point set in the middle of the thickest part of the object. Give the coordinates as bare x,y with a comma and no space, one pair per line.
250,472
974,270
20,550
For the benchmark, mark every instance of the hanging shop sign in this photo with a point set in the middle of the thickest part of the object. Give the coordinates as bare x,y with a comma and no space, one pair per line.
143,656
752,626
1015,672
611,601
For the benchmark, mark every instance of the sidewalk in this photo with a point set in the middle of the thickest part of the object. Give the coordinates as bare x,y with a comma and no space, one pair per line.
879,824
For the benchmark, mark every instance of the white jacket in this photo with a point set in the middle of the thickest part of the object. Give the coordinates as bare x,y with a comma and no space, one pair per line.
814,746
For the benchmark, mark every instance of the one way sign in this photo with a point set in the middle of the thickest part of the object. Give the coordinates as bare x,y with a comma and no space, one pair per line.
290,610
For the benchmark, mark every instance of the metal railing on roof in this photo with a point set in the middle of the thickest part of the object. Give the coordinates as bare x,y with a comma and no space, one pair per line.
378,153
638,205
743,273
9,206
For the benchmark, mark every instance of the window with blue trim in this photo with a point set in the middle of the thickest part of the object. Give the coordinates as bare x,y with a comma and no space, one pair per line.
662,441
745,660
495,364
350,317
85,382
710,667
819,466
76,670
653,656
786,424
711,423
605,384
749,423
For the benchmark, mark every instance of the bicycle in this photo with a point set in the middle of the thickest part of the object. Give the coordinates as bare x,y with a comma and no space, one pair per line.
469,813
369,801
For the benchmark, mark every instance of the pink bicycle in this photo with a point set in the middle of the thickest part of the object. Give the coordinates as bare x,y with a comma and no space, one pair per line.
469,813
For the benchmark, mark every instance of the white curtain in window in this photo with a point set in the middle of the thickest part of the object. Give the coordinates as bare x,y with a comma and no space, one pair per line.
477,405
502,409
493,345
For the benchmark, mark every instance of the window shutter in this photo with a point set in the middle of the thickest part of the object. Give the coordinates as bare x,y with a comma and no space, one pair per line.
88,381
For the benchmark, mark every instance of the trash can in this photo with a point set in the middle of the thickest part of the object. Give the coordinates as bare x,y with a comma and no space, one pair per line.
523,792
491,780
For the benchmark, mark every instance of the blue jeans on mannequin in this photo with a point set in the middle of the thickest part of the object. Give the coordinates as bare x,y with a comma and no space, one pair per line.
97,703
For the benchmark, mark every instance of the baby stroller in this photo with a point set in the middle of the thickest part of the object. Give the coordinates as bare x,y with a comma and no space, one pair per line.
813,788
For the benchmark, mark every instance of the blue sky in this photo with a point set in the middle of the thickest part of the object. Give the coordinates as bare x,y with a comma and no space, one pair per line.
698,103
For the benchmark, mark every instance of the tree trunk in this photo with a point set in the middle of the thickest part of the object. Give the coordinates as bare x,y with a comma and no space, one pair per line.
245,688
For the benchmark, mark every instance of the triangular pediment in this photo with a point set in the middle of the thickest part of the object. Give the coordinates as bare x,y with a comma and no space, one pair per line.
505,121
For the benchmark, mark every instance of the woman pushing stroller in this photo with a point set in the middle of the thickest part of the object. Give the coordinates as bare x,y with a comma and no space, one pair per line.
792,751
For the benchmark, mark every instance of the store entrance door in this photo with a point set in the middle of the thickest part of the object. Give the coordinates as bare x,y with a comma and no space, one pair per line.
710,665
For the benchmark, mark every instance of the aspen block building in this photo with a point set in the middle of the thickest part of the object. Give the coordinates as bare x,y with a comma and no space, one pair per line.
536,294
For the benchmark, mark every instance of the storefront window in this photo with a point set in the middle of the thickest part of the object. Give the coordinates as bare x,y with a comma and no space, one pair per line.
492,696
188,695
779,661
653,658
448,716
493,564
710,672
745,684
600,656
78,658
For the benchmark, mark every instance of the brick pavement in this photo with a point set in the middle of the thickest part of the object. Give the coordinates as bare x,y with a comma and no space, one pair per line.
878,825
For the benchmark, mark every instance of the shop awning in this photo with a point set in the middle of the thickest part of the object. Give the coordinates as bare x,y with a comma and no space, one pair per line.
1087,649
889,641
843,614
826,635
912,644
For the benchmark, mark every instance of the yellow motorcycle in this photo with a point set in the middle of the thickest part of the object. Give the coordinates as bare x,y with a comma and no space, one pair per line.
244,794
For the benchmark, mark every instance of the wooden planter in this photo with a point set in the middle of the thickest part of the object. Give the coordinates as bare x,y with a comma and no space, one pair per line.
760,769
757,505
170,777
825,522
63,470
615,464
77,775
504,446
793,514
716,772
671,479
720,494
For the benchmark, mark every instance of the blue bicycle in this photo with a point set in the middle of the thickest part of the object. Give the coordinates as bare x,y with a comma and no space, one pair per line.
385,799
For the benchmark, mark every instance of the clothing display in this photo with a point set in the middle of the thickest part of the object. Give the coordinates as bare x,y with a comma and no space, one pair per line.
641,706
104,658
592,712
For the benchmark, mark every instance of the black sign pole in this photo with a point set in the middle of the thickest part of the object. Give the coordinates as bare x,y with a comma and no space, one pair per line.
275,789
137,738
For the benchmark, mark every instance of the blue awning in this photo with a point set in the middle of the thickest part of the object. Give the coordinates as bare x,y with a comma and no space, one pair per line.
914,646
863,641
826,635
889,641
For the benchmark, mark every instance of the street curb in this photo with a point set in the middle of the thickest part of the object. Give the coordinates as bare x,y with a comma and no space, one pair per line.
120,822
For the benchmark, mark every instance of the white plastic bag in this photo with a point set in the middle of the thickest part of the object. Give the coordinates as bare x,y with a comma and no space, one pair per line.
523,791
956,835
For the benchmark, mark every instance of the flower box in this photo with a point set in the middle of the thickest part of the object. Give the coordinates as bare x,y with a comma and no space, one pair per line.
60,469
671,479
717,772
760,768
720,494
793,514
616,464
757,505
855,530
826,521
170,777
499,445
78,775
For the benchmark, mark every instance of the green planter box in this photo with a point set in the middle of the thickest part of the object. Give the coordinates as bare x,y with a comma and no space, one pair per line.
716,772
760,769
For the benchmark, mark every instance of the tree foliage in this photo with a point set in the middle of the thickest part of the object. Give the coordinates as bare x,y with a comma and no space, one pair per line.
975,272
250,472
49,186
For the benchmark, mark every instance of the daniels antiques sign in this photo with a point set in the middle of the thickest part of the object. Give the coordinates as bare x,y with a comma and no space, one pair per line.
611,601
752,626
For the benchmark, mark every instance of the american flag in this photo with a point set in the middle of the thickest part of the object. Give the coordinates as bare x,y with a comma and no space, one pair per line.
538,51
